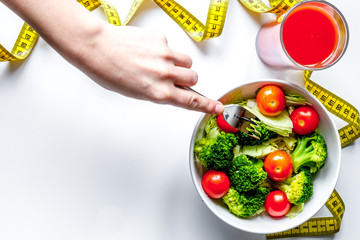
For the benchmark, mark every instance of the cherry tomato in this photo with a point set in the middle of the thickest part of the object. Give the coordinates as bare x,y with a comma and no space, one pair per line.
224,126
277,204
305,120
271,100
215,184
278,165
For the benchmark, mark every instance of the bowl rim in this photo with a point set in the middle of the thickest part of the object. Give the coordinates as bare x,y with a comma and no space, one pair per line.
192,165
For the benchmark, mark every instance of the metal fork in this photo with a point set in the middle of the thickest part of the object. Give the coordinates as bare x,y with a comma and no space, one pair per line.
241,119
236,116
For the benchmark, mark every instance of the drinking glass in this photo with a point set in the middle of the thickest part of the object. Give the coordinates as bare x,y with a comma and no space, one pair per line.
312,35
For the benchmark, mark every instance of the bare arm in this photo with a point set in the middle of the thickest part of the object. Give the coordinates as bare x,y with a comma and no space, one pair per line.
132,61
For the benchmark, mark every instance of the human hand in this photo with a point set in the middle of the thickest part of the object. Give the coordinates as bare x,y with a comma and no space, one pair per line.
131,61
138,63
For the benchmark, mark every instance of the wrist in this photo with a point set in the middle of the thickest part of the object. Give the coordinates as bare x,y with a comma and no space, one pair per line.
80,41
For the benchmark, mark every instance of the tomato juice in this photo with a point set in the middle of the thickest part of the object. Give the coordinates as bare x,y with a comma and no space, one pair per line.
309,35
312,35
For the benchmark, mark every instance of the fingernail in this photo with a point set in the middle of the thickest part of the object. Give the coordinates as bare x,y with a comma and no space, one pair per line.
219,108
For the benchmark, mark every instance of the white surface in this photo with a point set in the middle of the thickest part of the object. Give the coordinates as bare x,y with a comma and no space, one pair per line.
324,182
80,162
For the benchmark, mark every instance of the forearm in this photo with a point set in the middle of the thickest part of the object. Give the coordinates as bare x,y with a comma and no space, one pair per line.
57,22
134,62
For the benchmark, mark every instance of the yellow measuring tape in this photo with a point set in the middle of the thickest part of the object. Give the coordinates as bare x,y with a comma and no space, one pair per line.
338,107
213,28
318,226
277,6
22,47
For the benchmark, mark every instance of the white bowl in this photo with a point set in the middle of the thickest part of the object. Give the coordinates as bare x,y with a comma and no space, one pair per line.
324,181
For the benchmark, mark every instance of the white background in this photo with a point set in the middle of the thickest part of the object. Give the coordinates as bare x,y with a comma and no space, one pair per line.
80,162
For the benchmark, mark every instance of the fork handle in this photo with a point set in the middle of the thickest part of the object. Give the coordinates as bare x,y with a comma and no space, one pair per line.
189,89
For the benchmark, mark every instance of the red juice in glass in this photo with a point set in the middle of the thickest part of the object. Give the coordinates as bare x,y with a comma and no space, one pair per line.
309,35
313,35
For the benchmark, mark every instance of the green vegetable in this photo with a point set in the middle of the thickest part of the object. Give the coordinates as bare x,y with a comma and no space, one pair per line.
261,151
310,152
211,128
217,152
257,151
298,188
294,99
289,142
215,149
260,131
280,124
245,204
246,173
295,210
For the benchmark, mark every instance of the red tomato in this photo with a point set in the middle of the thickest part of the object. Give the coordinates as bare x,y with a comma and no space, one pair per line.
278,165
224,126
305,120
271,100
215,184
277,204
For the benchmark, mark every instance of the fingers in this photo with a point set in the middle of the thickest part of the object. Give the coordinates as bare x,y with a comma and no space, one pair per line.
177,58
180,59
193,101
183,76
180,74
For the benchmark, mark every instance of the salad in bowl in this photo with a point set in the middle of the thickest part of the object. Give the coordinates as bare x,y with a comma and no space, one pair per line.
275,169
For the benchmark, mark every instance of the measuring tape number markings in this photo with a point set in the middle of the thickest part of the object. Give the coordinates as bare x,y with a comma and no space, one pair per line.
337,106
22,47
213,28
318,226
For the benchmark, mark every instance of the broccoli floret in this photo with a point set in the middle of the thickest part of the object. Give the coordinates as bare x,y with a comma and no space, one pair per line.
246,173
298,188
246,204
257,134
217,152
310,152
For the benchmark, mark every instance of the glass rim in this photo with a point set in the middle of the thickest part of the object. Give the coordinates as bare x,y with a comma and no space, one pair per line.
346,35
